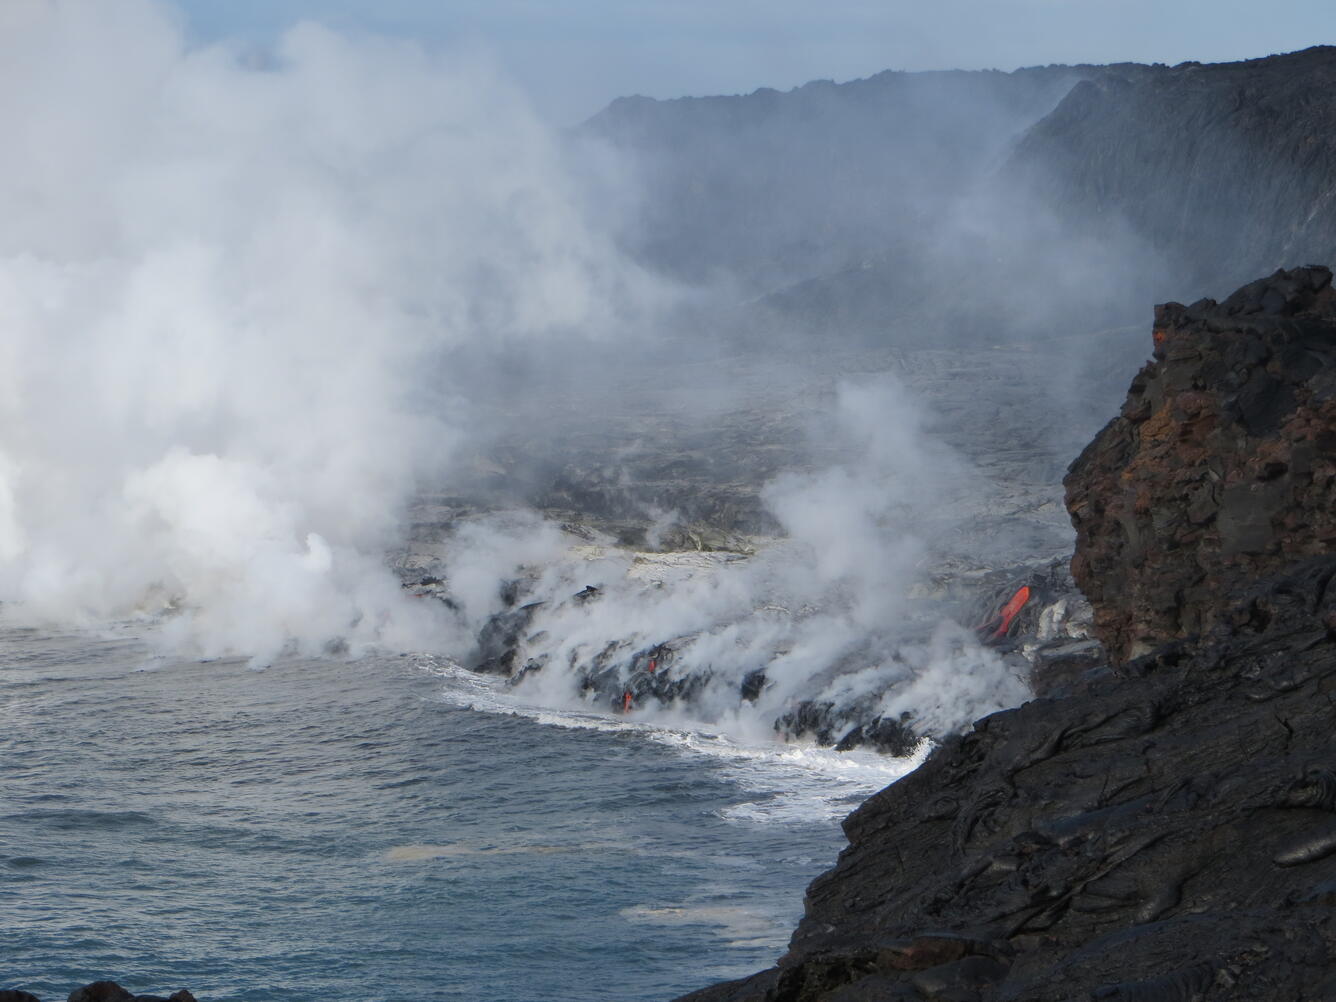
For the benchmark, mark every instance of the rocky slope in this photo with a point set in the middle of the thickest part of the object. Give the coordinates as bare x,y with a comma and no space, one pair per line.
1003,528
1167,829
840,230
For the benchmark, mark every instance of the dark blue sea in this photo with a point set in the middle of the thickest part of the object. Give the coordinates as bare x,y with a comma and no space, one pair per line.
383,828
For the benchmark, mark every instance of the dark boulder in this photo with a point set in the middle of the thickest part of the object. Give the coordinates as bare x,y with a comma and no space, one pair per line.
101,991
16,995
500,638
108,991
889,735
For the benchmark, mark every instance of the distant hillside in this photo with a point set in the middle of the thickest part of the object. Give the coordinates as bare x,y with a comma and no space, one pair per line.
989,205
771,188
1227,170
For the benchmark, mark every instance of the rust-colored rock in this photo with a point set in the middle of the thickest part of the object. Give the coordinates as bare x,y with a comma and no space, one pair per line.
1220,469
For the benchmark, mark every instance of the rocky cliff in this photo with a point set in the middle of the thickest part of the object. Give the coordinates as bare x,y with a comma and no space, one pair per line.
1221,468
1167,832
838,230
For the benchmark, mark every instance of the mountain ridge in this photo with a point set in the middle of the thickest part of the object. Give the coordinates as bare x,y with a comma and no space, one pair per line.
1163,178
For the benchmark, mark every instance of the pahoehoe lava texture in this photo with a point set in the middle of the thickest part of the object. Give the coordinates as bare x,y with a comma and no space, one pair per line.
1169,833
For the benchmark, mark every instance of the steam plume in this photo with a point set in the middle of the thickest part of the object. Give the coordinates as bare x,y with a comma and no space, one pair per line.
224,278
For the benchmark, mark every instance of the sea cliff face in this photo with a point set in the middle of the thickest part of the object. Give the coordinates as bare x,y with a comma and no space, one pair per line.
1168,830
1221,468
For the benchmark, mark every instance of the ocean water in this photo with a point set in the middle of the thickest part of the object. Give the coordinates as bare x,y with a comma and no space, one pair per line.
384,828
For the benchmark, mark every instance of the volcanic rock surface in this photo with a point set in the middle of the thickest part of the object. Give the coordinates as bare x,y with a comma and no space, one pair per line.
1168,830
1221,468
976,240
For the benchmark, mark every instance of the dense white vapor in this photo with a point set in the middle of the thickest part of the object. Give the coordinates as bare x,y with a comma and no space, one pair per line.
223,279
826,611
234,289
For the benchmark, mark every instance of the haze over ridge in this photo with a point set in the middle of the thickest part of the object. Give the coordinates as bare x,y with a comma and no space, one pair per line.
575,58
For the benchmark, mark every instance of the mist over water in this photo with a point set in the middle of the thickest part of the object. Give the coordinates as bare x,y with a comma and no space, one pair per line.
255,300
225,278
824,611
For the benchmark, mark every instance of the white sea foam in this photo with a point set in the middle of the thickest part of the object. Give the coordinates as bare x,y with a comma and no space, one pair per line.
781,782
740,926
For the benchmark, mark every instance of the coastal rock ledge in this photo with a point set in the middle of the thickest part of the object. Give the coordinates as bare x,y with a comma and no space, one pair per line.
1166,832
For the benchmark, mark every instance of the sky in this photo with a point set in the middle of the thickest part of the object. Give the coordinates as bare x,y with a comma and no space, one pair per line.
574,56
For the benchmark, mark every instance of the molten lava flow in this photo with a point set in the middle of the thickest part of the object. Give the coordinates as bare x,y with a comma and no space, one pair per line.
1008,612
995,627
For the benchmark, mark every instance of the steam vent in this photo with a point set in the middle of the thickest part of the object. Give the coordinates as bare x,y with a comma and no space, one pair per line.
1167,832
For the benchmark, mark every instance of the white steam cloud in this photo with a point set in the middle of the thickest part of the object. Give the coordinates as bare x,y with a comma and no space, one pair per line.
232,289
223,279
826,612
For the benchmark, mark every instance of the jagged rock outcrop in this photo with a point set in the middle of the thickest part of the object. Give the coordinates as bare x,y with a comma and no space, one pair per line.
1168,830
1221,468
1170,834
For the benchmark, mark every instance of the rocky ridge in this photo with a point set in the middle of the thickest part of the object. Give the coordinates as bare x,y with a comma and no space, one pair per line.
1167,829
945,204
882,226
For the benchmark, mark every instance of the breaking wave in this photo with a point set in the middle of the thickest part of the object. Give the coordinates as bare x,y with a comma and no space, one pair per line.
791,783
